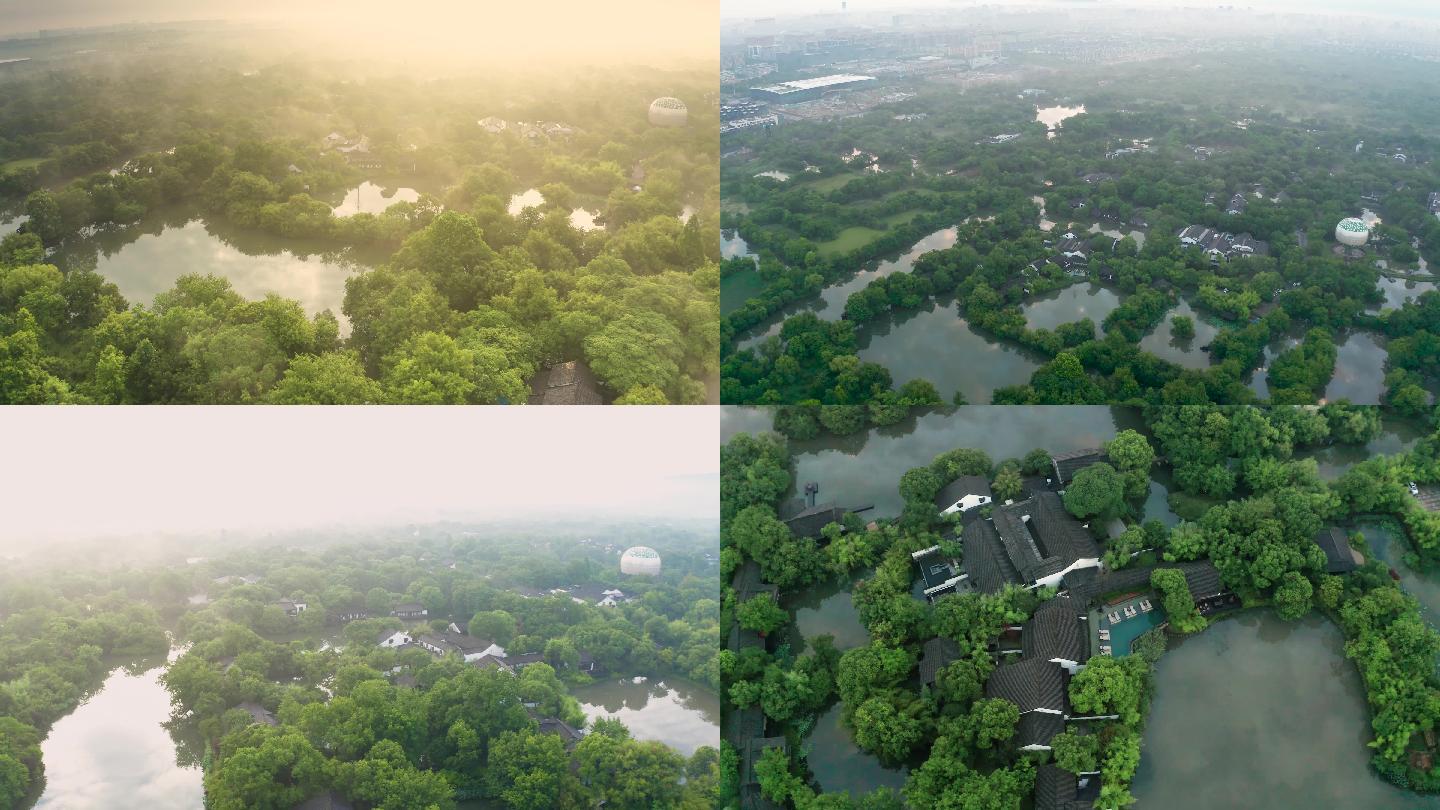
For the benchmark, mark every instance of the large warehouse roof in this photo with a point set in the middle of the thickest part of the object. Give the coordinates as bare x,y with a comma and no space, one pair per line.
799,85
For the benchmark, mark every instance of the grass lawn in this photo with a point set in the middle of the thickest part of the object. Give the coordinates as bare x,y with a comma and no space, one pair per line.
900,218
848,240
830,183
22,163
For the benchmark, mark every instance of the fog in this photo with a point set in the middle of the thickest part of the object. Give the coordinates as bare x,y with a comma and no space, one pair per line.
84,473
527,34
1423,9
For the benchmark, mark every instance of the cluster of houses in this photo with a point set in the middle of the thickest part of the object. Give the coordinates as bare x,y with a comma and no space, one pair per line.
355,151
1072,255
529,130
1433,203
1219,245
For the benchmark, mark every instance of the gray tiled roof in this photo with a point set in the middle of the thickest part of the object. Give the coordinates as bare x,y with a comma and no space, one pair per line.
1339,559
570,383
938,653
1031,685
985,559
959,488
1057,789
808,522
1055,631
1201,576
1068,463
1051,541
1038,728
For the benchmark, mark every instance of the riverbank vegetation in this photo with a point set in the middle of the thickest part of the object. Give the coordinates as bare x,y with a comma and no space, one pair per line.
461,297
281,679
1013,204
1266,508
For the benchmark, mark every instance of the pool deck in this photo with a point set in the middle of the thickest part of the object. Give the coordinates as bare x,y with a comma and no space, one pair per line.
1114,627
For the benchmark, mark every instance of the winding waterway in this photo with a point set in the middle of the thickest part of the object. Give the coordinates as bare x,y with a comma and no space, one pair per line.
373,198
1359,370
1186,353
1073,303
1258,712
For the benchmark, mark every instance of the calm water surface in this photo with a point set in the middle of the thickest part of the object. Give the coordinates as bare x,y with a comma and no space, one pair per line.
1359,370
1258,712
1069,305
681,714
372,198
113,751
147,259
1187,353
937,344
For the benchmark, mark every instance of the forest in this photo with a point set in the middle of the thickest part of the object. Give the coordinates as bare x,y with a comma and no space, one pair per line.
462,296
1293,148
1247,506
279,705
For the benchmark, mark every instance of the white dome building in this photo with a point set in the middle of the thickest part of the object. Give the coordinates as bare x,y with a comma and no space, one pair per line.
669,112
1353,232
640,561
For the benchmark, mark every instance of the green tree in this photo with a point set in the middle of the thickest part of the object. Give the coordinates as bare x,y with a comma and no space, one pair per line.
1096,491
761,614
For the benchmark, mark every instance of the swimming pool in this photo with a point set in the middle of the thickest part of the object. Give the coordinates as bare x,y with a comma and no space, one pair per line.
1123,634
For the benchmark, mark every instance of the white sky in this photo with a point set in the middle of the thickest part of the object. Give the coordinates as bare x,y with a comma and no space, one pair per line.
730,9
78,472
519,32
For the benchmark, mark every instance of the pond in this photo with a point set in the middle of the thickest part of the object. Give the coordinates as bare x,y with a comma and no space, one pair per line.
830,608
583,219
1389,548
1054,117
529,198
1045,224
1396,436
677,712
372,198
774,173
1260,377
1069,305
1113,233
146,259
839,765
737,288
1359,370
1157,502
1187,353
865,468
1258,712
114,751
12,224
937,344
830,304
1397,290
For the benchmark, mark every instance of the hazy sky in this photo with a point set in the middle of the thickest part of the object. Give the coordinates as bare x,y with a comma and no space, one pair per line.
1427,9
639,29
80,472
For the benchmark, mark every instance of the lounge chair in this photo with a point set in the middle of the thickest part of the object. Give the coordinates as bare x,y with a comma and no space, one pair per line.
1115,617
1104,649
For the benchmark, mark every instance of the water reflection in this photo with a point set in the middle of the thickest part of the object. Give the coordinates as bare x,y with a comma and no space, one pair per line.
866,468
147,259
681,714
1389,547
1257,712
372,198
830,304
529,198
937,344
1069,305
1359,370
1396,290
830,609
9,226
1188,352
1054,117
583,219
114,751
839,765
